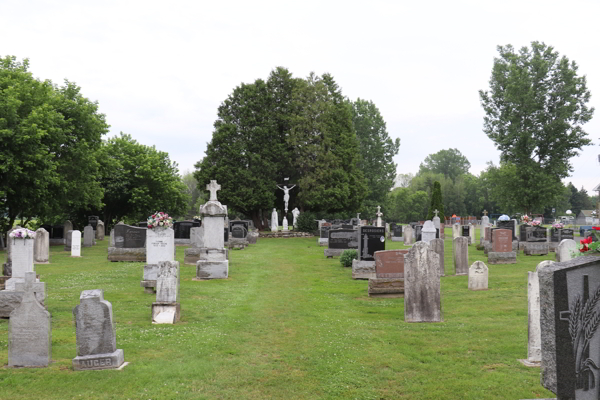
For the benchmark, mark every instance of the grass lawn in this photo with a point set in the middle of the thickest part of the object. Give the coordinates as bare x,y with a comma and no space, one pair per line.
287,324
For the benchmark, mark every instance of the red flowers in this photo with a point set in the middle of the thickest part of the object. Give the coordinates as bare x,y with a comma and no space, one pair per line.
585,242
597,228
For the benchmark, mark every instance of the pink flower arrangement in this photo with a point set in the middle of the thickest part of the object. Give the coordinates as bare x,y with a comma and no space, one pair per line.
535,223
22,233
160,220
557,225
525,219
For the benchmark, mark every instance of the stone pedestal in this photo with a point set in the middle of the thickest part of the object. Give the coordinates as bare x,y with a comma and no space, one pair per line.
495,257
536,249
363,269
386,287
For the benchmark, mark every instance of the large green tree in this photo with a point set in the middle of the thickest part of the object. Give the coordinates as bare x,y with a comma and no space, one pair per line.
377,151
49,137
535,109
451,163
138,180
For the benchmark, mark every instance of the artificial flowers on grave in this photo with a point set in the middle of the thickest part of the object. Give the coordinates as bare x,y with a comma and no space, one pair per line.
22,233
159,220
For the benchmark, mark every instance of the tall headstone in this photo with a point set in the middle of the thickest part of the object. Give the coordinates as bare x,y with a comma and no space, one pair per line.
41,247
76,244
370,240
460,250
422,296
7,266
160,246
67,226
456,231
478,276
29,331
428,232
569,322
379,215
95,333
408,235
21,252
472,234
166,309
100,230
88,236
213,263
567,250
437,245
192,253
436,220
501,252
68,240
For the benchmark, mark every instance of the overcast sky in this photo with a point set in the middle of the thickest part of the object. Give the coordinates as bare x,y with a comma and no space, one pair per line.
159,70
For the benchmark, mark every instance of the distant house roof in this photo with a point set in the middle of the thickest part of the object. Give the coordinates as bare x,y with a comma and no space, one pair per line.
586,213
597,188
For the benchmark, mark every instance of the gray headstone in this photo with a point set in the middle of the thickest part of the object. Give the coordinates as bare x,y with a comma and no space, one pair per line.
22,260
88,236
68,240
437,245
422,297
428,232
41,247
29,334
478,276
408,235
7,267
129,237
100,230
460,248
167,282
569,320
95,333
197,237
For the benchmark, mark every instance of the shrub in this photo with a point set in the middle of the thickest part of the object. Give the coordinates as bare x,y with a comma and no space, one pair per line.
306,222
347,257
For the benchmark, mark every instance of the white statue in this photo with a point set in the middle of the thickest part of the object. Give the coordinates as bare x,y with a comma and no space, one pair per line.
286,194
295,213
274,221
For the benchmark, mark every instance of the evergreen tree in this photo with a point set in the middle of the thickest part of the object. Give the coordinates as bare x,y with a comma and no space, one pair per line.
436,202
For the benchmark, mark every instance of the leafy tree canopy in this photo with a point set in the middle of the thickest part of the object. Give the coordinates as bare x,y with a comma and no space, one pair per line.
450,163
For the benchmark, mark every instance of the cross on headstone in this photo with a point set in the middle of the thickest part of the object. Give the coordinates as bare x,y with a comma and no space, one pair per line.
31,286
436,212
213,186
485,213
379,214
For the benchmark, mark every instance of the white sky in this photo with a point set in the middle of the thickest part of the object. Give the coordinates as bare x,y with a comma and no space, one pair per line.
159,70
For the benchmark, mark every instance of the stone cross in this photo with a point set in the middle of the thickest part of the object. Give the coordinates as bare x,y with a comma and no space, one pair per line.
485,212
30,285
436,212
379,214
212,187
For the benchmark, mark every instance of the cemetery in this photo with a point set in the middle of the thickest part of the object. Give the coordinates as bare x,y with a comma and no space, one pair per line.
287,316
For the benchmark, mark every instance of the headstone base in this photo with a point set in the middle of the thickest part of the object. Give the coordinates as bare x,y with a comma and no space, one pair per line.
528,363
535,249
149,286
165,313
99,361
333,252
363,269
206,269
397,239
509,257
235,243
127,254
57,242
182,242
386,287
191,256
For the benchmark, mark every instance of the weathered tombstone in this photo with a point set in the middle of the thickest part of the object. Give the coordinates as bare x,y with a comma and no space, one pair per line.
192,254
478,276
567,250
340,240
75,244
95,333
460,251
370,240
7,266
238,237
428,232
422,297
472,234
566,233
408,235
389,274
456,231
534,338
41,247
569,321
67,226
324,233
437,245
68,240
166,309
100,230
88,236
485,222
160,246
418,229
501,252
29,332
21,260
129,243
213,263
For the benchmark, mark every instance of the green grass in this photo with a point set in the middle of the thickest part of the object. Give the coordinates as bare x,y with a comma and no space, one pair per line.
287,324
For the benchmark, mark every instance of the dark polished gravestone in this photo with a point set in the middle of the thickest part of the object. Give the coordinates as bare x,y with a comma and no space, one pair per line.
93,221
340,240
238,232
537,234
243,224
371,239
507,225
523,232
129,243
182,228
570,318
465,231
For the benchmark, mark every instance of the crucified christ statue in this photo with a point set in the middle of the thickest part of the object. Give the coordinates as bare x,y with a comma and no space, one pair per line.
286,194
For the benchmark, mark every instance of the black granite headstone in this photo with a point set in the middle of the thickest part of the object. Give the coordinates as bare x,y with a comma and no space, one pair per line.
245,224
566,233
555,235
325,232
465,230
343,239
238,232
507,225
537,234
93,221
397,231
182,228
129,237
523,232
370,240
226,234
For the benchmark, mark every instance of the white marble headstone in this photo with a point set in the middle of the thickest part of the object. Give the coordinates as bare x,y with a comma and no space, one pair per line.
478,276
76,244
160,245
428,232
22,260
567,249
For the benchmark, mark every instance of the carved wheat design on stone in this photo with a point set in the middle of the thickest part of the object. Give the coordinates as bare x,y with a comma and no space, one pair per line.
583,324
